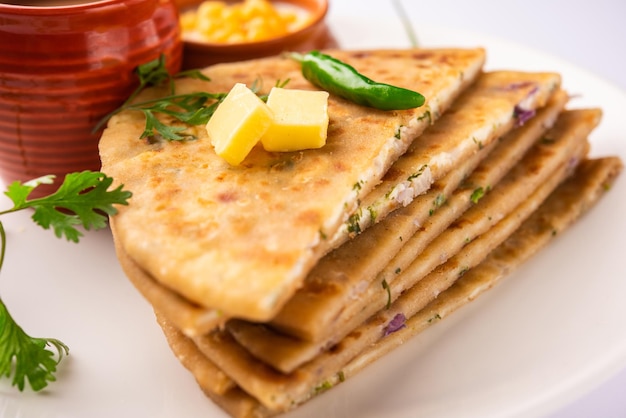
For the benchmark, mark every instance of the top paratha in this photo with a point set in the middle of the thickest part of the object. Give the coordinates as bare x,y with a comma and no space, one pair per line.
241,239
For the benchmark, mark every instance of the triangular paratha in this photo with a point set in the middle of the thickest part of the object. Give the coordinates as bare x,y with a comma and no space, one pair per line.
483,112
240,240
310,313
561,209
488,109
277,390
542,169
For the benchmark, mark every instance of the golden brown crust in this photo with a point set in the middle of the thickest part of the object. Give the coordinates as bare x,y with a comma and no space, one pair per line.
241,239
570,200
476,128
446,234
185,315
279,391
567,204
481,114
207,374
340,276
205,242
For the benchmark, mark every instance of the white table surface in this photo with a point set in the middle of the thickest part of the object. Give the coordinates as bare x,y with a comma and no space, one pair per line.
590,35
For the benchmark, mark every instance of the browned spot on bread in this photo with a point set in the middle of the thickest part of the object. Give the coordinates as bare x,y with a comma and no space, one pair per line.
310,217
228,196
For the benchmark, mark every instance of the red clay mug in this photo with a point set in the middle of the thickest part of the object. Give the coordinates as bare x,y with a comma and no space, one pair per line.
64,65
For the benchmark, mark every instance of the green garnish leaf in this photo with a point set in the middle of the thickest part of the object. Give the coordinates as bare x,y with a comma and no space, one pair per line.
152,73
154,124
190,109
354,223
25,357
434,318
82,199
187,108
388,290
477,194
197,74
323,387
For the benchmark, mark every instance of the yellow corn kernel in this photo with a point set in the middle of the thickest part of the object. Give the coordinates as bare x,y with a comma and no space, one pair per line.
288,18
207,27
210,9
219,21
188,21
258,34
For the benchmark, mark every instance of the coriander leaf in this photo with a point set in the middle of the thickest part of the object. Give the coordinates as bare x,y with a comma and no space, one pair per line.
153,73
25,357
197,74
46,216
154,124
200,116
388,289
82,199
191,108
257,84
477,194
19,192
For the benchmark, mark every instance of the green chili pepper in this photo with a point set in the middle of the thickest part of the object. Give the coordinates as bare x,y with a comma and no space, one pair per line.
343,80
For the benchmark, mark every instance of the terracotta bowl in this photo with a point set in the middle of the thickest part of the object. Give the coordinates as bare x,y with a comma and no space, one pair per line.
63,68
315,35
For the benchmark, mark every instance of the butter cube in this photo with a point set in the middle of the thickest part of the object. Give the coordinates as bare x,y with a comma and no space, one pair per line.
238,124
300,120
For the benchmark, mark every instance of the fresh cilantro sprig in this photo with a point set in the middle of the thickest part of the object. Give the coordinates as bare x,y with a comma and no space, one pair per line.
188,109
155,73
83,199
152,73
27,357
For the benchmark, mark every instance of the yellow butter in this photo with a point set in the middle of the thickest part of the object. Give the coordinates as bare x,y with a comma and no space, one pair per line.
300,120
238,124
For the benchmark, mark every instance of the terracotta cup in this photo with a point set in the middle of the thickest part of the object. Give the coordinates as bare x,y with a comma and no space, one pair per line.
64,65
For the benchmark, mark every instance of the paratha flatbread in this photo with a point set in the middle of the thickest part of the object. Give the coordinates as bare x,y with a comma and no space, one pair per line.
240,240
561,209
279,391
544,167
485,111
593,178
310,314
480,115
209,376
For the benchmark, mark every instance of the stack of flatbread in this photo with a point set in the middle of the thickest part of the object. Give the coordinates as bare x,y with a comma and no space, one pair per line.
280,278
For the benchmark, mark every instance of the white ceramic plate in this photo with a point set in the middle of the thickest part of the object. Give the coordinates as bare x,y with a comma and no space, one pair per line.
545,335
